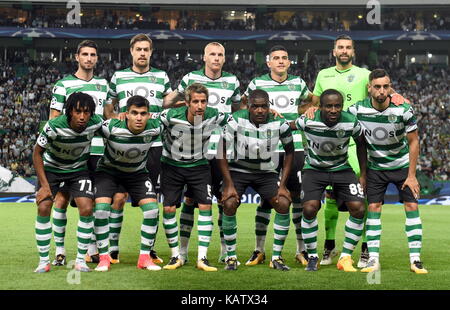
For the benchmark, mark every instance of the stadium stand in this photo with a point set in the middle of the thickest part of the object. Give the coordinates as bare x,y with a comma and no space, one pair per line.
26,86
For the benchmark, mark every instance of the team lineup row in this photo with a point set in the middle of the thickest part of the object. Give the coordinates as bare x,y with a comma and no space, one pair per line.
189,127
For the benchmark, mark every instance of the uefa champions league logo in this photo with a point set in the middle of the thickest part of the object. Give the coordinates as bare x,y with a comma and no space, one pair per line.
33,33
290,35
418,36
164,35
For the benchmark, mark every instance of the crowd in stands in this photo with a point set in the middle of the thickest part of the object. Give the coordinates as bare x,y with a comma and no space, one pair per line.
24,101
333,20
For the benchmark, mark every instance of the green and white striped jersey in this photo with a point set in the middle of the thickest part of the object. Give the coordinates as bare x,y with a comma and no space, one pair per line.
153,85
327,146
96,87
251,149
187,145
125,151
223,91
66,150
385,133
284,98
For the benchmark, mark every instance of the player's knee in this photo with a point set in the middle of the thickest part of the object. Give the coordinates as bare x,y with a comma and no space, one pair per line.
282,205
45,208
119,201
411,206
310,209
375,207
189,201
230,206
357,210
170,209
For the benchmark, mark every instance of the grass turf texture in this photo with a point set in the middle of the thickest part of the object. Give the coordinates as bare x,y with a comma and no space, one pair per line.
19,257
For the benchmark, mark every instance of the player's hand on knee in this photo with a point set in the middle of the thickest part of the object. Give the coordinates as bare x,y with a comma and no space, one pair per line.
228,193
413,184
283,192
310,112
43,193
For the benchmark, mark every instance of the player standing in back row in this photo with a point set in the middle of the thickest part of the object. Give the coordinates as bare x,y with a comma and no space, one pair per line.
152,84
392,140
286,92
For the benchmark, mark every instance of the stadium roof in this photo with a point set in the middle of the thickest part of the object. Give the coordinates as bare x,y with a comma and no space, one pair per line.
258,2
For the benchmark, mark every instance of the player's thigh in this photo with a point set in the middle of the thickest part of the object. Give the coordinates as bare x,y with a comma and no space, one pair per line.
313,185
107,185
172,184
266,185
140,187
154,163
346,187
198,180
241,182
216,178
294,182
398,177
377,183
56,184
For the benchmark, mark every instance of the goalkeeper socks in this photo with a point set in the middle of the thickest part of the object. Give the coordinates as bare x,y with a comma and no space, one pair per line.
331,218
84,234
43,233
280,231
59,218
262,220
171,230
186,224
309,232
149,226
297,212
101,227
353,233
115,227
205,227
413,229
373,232
230,231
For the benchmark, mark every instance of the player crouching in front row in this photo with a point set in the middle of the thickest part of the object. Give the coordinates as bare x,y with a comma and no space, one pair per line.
60,159
328,135
253,162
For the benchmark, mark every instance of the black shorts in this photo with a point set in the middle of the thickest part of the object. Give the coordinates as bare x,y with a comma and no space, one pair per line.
378,181
138,185
154,166
346,187
294,182
265,184
92,165
77,184
216,179
173,180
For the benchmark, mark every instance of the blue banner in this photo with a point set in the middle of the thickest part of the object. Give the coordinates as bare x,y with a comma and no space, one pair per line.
77,33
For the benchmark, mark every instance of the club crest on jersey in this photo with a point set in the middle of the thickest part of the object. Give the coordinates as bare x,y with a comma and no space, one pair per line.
340,133
291,87
392,118
350,78
152,79
225,84
147,139
98,86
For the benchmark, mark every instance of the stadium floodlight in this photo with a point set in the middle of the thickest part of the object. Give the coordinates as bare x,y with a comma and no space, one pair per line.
413,59
430,55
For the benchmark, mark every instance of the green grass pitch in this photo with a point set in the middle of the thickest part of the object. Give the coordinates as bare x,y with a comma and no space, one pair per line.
19,257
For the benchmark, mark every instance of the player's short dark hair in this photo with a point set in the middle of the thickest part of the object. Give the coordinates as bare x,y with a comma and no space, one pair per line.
377,73
343,37
141,37
195,88
277,48
257,94
79,100
330,92
137,101
86,43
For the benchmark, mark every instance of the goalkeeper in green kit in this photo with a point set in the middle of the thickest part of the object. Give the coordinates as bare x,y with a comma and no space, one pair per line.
352,82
